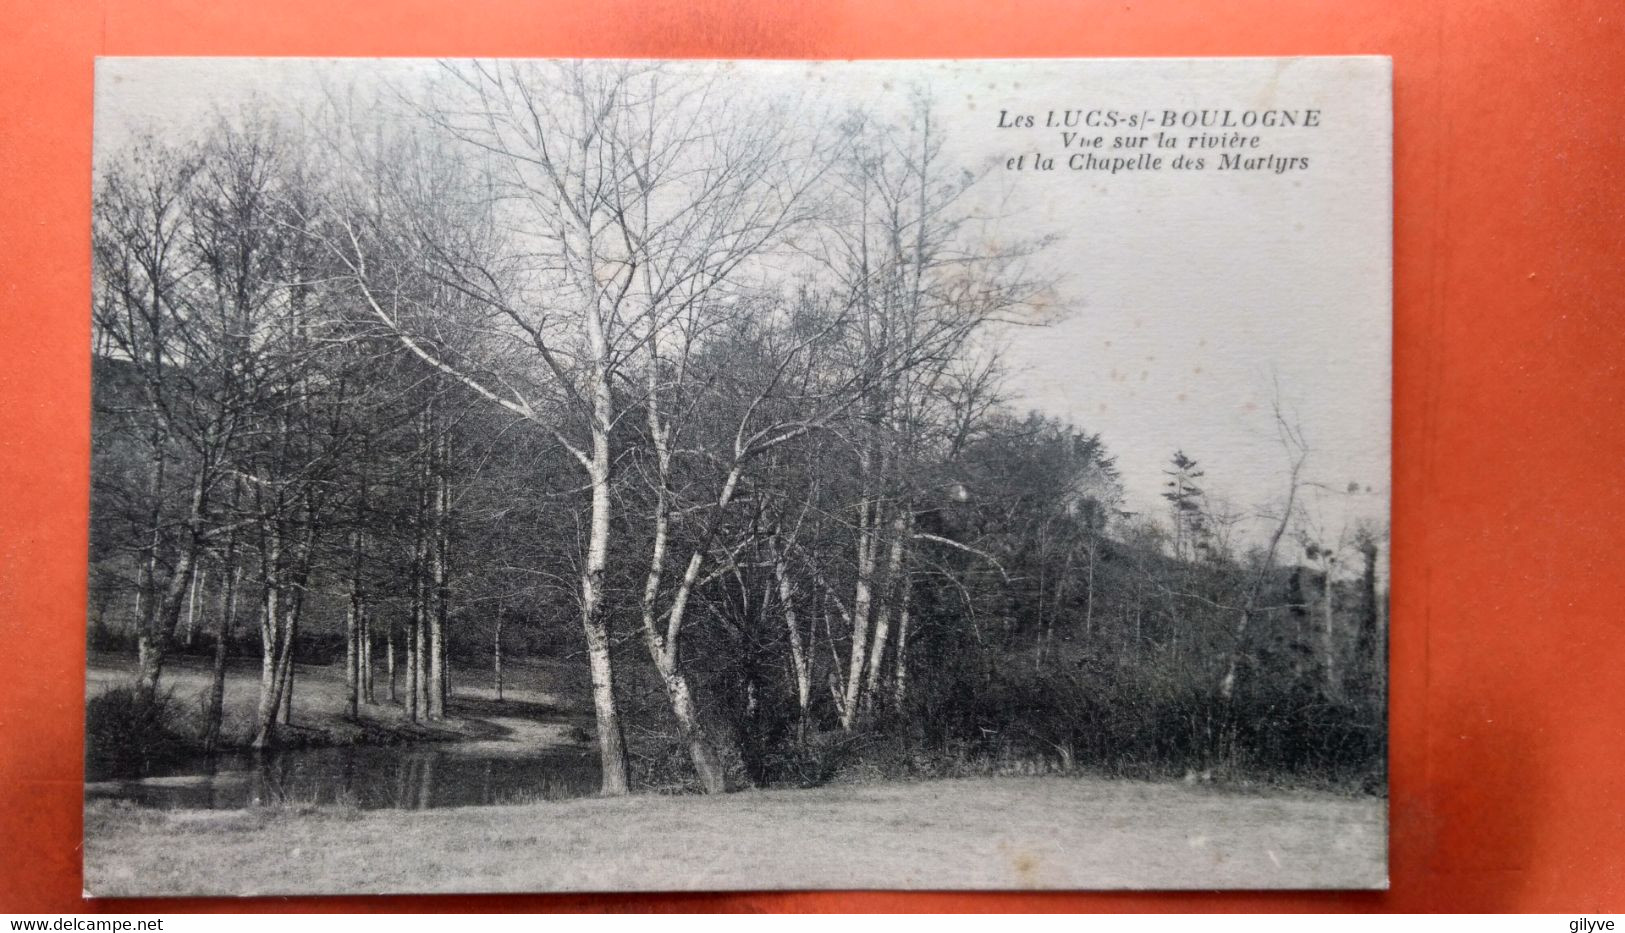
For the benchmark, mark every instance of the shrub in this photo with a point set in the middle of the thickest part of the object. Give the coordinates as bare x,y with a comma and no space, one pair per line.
130,732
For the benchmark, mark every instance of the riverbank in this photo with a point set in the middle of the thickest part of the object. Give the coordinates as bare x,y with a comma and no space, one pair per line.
529,716
1055,832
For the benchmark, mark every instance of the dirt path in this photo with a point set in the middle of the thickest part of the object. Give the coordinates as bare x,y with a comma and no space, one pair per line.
516,729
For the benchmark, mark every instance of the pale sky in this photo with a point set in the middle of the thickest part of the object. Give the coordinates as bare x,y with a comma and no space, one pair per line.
1191,294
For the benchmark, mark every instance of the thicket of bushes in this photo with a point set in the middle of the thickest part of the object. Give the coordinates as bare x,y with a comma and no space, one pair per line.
1143,717
129,731
1137,693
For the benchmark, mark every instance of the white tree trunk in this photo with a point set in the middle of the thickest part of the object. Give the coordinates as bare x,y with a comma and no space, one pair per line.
190,631
902,646
895,584
270,641
367,695
862,603
800,663
496,655
594,621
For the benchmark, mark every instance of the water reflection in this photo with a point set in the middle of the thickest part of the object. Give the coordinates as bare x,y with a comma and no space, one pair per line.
369,777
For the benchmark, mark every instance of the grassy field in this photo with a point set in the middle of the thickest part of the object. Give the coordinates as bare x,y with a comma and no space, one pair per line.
1007,832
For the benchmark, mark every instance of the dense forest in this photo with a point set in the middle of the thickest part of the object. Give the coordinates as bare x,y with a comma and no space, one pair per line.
698,396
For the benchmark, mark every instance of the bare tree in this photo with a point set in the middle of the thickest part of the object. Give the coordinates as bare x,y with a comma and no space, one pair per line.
644,200
141,265
922,294
1297,452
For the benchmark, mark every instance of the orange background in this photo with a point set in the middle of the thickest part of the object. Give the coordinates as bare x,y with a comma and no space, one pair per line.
1508,635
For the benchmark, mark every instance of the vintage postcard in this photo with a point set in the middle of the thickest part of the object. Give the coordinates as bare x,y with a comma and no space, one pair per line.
520,475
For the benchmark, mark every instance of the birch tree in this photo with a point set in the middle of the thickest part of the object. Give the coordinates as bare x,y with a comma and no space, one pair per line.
141,266
926,279
641,198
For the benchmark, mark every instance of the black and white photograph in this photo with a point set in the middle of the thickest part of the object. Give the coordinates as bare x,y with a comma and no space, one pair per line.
641,475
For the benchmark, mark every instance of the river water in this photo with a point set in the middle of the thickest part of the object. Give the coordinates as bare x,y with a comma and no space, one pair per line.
369,777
